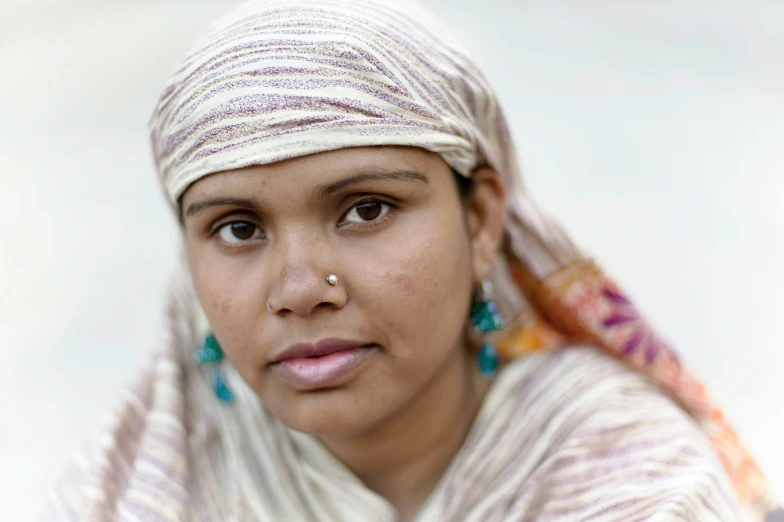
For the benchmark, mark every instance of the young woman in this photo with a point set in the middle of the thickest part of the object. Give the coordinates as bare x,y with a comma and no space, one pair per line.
373,322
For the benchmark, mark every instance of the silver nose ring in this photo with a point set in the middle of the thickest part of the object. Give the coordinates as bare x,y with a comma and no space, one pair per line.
332,279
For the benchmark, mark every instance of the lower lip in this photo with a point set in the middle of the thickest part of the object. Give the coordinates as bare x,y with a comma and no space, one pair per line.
316,372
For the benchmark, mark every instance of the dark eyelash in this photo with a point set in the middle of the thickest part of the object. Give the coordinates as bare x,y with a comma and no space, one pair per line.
370,200
217,228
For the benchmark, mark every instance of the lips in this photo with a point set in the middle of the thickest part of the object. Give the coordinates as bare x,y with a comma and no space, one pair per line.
321,364
318,349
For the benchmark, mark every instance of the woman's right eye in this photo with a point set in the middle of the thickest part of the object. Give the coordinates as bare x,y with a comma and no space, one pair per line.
238,232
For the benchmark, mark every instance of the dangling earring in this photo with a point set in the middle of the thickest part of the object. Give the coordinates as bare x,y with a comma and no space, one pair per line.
486,319
212,353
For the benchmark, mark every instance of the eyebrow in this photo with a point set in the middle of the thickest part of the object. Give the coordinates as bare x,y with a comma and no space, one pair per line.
320,192
324,191
199,206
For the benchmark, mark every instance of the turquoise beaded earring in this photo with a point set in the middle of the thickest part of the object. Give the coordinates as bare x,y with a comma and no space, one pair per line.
486,319
212,353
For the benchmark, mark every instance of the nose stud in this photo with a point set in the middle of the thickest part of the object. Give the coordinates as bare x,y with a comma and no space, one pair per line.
332,279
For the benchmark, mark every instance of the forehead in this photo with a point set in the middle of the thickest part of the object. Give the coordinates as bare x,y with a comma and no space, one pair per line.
307,172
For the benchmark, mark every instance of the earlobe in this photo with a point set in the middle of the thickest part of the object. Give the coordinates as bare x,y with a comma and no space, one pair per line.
487,215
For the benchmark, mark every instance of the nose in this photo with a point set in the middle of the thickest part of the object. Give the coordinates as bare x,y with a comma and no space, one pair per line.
303,263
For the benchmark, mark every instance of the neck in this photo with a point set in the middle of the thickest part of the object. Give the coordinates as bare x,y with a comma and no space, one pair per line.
403,458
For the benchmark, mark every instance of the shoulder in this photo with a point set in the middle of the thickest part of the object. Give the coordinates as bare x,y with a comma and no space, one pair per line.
138,452
628,451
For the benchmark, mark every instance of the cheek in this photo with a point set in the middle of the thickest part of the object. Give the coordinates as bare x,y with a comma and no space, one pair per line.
418,284
229,296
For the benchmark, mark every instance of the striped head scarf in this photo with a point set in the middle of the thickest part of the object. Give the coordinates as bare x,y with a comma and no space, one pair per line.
279,79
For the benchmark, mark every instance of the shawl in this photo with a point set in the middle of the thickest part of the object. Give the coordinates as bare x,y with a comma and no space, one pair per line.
278,79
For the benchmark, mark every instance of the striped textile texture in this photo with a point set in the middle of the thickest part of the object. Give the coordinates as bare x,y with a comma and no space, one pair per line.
280,79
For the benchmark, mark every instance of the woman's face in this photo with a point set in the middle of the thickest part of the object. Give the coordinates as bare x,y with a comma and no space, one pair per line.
389,223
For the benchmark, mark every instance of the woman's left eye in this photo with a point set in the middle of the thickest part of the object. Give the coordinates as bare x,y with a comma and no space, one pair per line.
367,211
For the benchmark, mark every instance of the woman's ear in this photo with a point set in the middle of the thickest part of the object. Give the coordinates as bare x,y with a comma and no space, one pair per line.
486,212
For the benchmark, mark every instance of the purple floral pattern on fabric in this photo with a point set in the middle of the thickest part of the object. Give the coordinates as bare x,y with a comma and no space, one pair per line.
642,337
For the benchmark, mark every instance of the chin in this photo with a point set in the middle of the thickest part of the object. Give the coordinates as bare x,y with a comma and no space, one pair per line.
328,412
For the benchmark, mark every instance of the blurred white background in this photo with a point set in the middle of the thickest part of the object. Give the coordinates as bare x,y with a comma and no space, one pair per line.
654,130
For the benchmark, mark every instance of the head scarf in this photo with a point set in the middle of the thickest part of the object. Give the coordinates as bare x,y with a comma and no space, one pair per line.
281,79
